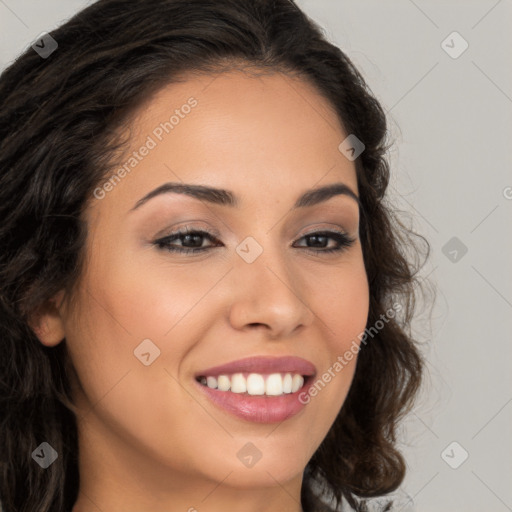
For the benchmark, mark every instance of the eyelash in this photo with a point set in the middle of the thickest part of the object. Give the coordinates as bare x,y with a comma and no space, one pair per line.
344,241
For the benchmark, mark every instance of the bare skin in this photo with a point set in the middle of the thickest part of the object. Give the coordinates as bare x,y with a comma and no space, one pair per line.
148,439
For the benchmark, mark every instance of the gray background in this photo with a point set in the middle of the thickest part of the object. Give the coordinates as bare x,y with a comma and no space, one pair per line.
450,119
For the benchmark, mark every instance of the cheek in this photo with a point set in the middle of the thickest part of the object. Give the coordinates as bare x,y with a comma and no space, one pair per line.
341,301
141,297
138,403
130,307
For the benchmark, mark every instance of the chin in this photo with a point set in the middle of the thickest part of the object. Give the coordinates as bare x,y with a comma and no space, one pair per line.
263,474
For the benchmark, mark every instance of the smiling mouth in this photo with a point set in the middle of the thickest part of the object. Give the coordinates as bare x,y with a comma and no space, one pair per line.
254,384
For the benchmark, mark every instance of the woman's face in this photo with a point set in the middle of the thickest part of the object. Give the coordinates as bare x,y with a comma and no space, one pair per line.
150,322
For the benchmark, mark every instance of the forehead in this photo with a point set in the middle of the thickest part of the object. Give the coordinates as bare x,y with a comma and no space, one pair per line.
264,137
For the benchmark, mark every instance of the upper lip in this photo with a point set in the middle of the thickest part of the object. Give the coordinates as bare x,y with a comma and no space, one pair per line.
262,364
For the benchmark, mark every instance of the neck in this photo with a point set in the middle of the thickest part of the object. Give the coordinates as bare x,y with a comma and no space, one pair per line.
197,497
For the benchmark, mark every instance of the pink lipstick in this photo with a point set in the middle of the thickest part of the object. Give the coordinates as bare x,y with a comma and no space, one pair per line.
259,389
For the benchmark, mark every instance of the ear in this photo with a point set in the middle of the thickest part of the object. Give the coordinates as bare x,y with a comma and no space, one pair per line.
48,323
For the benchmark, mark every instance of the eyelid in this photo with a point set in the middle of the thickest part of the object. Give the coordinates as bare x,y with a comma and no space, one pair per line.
340,236
187,228
323,228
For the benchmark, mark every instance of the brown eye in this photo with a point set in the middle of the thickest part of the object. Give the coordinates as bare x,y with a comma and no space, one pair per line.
191,240
320,239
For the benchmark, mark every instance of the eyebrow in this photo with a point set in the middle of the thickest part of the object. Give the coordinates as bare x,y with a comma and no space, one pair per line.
224,197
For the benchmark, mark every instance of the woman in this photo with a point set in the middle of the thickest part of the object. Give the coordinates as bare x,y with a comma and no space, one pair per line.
205,301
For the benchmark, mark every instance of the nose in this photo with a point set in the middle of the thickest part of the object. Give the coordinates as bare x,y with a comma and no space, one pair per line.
268,294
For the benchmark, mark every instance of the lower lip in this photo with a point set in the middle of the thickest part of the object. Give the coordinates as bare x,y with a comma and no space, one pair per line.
259,408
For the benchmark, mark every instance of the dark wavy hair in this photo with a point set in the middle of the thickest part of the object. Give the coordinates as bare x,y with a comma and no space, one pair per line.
59,121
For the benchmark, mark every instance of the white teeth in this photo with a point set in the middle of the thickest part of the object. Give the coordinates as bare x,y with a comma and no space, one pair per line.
274,384
255,384
238,384
211,382
297,382
224,384
287,383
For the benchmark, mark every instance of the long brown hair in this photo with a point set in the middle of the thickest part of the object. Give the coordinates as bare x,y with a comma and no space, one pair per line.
58,118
